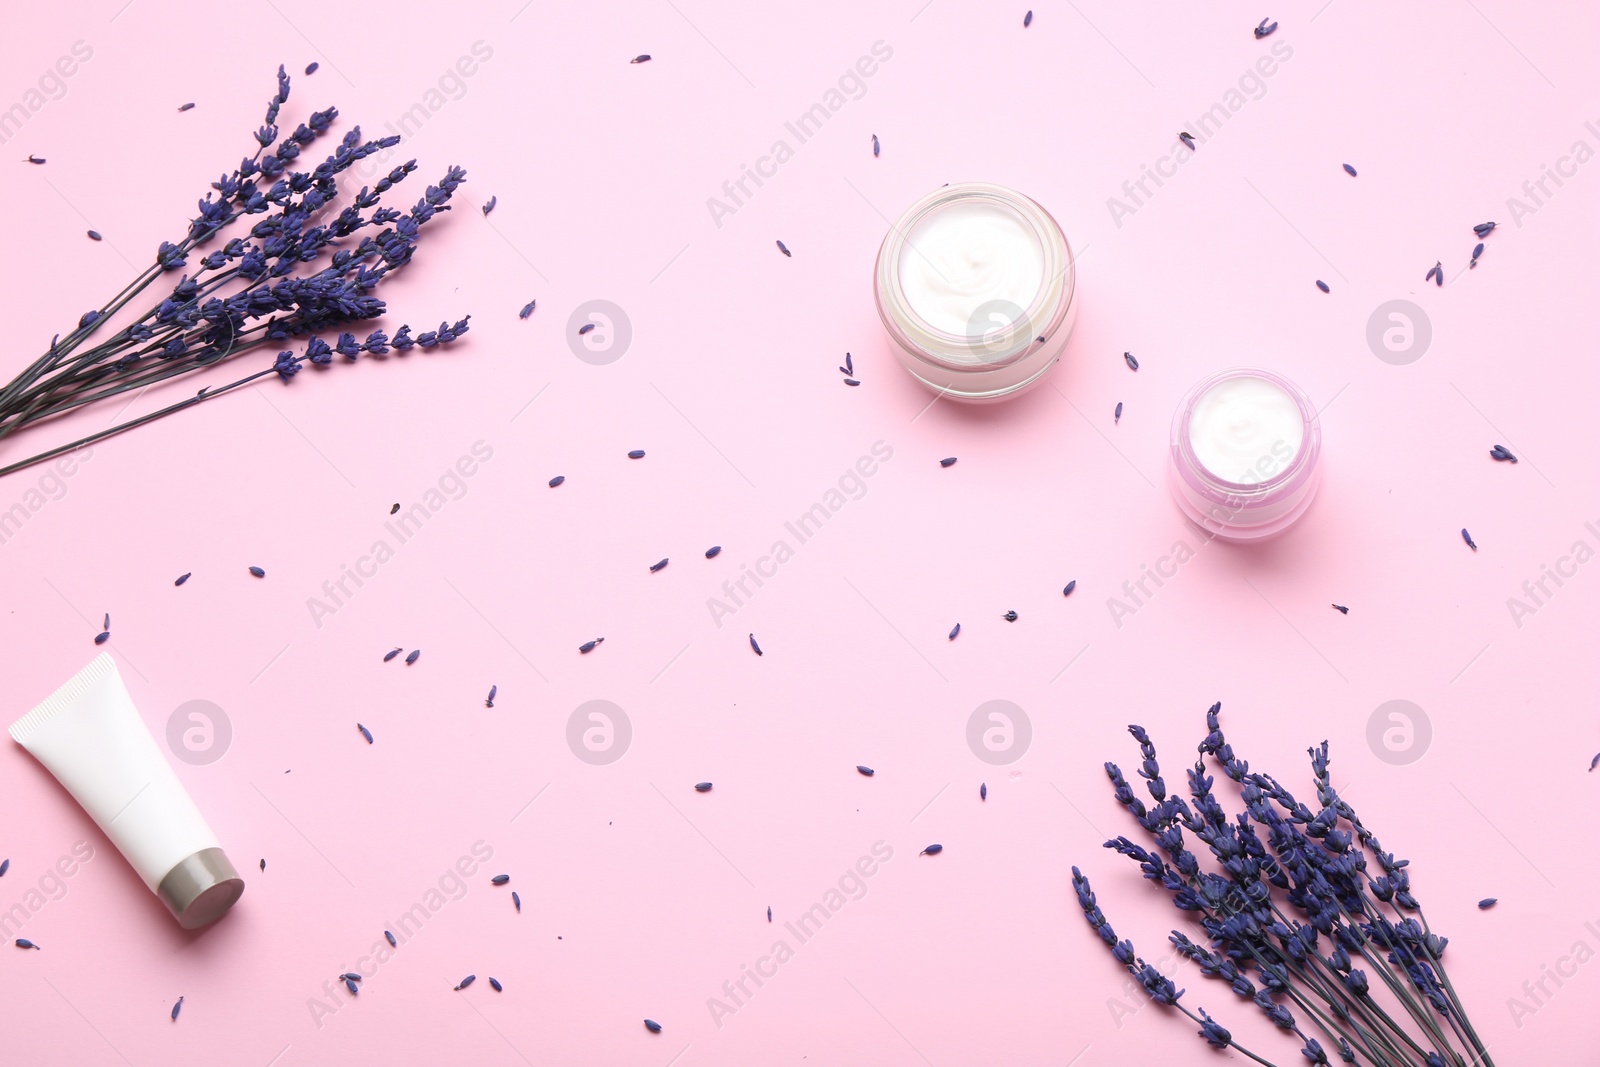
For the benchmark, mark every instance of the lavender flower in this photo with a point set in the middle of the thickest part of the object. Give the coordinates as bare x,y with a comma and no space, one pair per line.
1302,906
293,274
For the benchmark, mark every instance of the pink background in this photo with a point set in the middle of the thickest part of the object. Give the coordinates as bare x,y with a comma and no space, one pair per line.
641,897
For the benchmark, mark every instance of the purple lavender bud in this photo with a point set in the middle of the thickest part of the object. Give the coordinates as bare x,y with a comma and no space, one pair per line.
1214,1034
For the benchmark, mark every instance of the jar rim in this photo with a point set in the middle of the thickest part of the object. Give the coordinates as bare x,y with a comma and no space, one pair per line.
1252,493
965,353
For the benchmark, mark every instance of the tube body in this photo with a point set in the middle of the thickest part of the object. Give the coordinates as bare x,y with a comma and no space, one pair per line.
89,735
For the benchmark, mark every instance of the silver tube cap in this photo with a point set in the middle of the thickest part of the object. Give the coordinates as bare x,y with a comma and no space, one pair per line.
201,888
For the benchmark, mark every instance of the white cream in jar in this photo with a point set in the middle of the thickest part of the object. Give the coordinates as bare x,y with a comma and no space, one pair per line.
971,266
1246,429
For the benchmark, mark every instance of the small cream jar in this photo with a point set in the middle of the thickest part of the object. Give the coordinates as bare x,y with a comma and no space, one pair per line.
1244,455
976,286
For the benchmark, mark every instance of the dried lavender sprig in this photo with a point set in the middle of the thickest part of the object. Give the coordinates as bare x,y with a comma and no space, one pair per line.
204,226
1273,964
1432,946
239,196
281,368
261,263
1257,788
1375,1015
1309,873
1156,986
1209,894
1392,887
393,246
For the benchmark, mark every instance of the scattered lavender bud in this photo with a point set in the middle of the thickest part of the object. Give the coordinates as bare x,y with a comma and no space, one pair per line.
107,624
1487,902
102,637
983,791
1477,251
185,107
1070,587
516,901
1010,616
37,161
468,980
756,648
657,566
311,68
585,328
637,453
1502,453
1133,364
1341,609
1435,272
702,787
1348,169
392,942
527,309
1187,139
412,656
391,654
176,1008
713,551
365,732
94,235
1468,539
258,572
489,700
184,577
851,381
500,879
932,850
349,983
1482,229
350,976
23,942
1116,415
769,913
955,631
1264,29
557,480
1027,20
865,771
784,249
875,146
1322,285
652,1026
587,647
640,59
849,364
1594,762
263,865
394,508
494,984
948,461
5,865
493,200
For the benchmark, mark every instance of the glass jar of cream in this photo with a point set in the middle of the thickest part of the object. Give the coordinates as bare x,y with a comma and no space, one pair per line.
976,286
1245,446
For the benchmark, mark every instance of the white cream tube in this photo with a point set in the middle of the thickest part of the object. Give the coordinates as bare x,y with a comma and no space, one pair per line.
89,735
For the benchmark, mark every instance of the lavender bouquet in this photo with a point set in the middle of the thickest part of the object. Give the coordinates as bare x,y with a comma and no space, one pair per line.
1295,922
254,290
